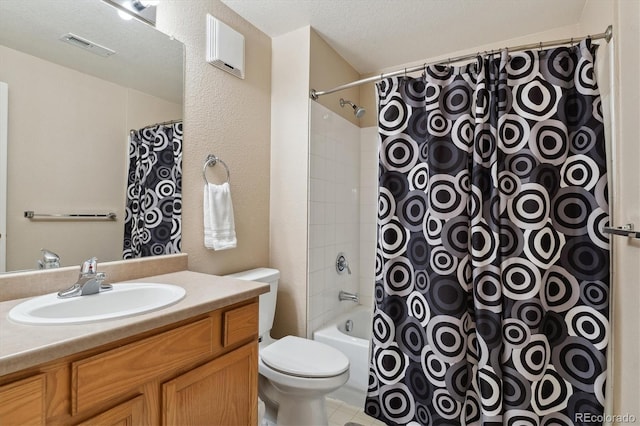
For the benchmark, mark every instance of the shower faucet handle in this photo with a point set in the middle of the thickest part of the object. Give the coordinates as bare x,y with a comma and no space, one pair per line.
342,264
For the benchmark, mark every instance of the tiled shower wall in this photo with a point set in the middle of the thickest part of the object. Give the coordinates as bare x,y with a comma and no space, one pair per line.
342,212
333,213
368,211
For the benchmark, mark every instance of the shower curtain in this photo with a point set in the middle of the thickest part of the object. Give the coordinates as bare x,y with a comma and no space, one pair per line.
492,270
154,192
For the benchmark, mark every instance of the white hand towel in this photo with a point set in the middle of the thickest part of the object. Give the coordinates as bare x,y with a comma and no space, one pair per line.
219,226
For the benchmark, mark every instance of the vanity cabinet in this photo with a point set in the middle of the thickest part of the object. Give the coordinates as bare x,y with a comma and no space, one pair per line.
215,390
203,371
126,414
23,402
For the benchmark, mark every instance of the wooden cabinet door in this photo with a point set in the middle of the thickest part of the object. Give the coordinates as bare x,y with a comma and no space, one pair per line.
23,402
129,413
223,391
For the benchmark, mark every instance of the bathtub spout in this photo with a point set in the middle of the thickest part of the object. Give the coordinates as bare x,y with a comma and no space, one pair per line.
343,295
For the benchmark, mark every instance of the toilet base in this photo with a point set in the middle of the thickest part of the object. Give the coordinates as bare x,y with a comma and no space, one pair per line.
299,400
293,406
302,412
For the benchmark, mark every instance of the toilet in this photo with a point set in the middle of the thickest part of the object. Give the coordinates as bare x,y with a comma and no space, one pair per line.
295,373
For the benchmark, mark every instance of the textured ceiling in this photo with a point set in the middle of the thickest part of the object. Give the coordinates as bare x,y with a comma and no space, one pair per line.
376,34
145,59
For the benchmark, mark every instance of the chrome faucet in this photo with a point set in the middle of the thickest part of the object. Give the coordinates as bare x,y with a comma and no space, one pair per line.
342,264
49,260
344,295
89,281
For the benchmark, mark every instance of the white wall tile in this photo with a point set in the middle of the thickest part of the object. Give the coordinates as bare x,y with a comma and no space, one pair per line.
316,259
316,164
335,205
316,213
368,212
315,189
317,279
316,307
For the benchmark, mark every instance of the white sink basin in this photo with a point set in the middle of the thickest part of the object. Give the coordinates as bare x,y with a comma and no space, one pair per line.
124,300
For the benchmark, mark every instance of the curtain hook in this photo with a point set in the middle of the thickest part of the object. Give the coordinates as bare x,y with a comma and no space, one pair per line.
571,42
405,73
540,47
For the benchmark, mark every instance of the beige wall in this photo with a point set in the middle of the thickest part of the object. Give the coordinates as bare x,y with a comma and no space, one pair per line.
289,171
328,70
301,60
228,117
68,154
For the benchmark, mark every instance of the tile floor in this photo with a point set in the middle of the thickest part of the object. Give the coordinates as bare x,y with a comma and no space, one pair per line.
340,413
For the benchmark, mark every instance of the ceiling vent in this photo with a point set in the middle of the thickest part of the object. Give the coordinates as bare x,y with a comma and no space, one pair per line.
87,45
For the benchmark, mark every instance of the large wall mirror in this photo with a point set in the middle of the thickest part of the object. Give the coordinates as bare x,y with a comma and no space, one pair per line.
70,111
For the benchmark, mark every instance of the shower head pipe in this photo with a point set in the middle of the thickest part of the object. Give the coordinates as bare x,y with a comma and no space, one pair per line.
357,111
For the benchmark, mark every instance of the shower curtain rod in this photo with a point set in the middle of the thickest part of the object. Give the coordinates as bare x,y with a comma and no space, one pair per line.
313,94
163,123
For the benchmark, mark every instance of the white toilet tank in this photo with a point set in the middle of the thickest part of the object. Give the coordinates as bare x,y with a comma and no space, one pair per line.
267,302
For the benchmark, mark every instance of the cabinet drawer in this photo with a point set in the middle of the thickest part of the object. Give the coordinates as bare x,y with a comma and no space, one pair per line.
23,402
240,324
115,372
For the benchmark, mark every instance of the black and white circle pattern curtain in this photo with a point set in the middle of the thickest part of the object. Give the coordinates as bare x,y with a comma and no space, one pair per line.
154,192
492,270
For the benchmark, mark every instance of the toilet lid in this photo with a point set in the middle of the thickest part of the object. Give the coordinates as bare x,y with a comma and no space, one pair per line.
305,358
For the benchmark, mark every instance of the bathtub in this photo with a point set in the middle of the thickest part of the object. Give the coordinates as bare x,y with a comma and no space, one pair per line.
355,345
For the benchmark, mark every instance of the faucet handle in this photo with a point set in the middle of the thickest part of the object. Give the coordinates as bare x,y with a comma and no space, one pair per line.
342,264
49,256
101,276
49,260
89,266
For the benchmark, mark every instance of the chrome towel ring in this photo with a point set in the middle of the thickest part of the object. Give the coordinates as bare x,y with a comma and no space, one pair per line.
211,161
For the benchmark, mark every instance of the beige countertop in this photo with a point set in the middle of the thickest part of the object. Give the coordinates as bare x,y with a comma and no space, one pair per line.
24,346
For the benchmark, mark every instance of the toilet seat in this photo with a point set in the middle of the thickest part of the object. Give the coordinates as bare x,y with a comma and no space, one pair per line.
300,357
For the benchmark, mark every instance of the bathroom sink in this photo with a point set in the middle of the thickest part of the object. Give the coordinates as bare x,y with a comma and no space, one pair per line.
123,301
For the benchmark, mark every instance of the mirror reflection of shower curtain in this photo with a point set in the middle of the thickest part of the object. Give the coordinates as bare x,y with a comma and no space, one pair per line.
154,192
492,270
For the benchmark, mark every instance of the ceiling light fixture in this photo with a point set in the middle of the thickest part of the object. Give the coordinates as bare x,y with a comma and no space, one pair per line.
137,5
125,15
142,10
